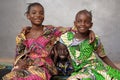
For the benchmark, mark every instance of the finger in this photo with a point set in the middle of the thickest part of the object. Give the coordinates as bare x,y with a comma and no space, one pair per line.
90,41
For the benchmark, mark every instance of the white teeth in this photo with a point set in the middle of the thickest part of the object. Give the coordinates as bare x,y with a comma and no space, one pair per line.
82,28
37,20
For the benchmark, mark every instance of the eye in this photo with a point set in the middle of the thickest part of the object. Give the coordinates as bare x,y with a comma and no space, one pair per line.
78,21
88,22
33,12
41,13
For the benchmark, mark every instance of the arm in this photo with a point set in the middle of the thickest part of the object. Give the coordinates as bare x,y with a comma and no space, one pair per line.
55,54
25,30
19,51
61,30
91,37
109,62
101,53
20,47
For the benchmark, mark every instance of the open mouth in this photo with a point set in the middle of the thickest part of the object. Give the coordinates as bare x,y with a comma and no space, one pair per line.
38,20
82,28
62,56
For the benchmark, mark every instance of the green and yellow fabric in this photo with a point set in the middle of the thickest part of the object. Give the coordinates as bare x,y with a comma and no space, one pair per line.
86,63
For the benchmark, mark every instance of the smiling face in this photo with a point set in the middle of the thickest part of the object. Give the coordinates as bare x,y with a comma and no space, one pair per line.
62,51
36,15
83,22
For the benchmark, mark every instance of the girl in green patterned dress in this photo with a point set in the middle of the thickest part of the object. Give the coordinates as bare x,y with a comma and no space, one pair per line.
87,59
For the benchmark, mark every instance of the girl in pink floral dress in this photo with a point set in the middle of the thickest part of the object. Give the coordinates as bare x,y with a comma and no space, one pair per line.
33,60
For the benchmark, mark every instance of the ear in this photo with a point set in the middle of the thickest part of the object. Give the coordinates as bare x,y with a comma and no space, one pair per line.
74,28
91,25
28,16
74,23
69,57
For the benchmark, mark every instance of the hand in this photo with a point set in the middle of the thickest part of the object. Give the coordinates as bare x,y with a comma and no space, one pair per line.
91,37
25,29
22,64
55,54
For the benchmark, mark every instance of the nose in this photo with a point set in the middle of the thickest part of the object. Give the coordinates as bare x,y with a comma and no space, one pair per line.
62,51
82,23
38,14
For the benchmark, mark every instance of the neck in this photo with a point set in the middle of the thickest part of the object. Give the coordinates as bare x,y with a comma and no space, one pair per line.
82,35
37,27
63,60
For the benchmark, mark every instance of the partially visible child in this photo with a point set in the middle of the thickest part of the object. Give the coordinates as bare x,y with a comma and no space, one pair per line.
85,61
61,59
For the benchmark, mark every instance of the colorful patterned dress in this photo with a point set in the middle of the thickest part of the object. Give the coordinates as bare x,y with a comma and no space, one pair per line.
86,63
64,69
33,60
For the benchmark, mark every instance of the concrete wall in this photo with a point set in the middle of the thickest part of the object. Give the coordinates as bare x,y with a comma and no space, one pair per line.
106,19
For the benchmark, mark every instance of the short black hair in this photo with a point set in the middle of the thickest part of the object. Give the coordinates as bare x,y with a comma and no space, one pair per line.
84,12
33,4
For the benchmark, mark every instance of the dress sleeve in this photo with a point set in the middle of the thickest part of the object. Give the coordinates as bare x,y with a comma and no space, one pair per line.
20,47
60,30
20,40
100,49
20,44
